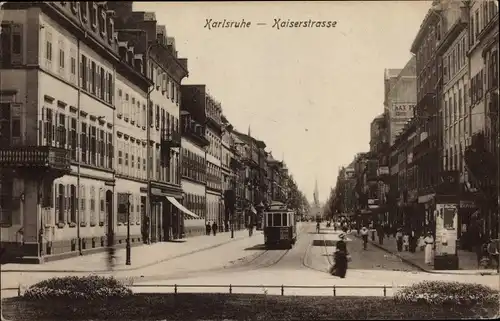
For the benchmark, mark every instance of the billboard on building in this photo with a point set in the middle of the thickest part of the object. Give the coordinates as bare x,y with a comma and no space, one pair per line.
399,114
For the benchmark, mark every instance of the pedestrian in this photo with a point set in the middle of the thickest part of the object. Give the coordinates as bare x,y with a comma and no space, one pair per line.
372,230
421,243
364,235
214,228
399,239
341,258
412,240
381,235
208,228
429,243
406,242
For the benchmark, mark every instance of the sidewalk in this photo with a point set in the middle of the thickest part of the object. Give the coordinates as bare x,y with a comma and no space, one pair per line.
141,256
467,260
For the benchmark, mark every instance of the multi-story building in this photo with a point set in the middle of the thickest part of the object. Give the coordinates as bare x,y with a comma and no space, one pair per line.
483,73
455,112
166,70
250,160
377,166
194,165
229,171
239,171
402,196
399,97
426,152
275,176
212,118
63,132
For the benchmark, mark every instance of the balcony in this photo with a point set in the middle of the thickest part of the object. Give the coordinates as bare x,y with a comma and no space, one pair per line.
234,164
170,139
38,158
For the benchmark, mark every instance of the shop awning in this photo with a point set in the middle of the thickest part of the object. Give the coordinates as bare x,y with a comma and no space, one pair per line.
181,207
253,209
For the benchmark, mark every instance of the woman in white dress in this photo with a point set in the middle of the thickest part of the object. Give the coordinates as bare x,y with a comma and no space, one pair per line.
429,242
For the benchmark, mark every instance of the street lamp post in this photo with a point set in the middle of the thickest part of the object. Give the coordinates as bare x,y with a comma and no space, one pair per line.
128,259
148,147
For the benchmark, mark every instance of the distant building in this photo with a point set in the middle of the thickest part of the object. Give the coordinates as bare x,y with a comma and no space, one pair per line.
400,97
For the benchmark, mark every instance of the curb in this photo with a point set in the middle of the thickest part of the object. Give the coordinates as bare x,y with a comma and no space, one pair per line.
102,271
409,262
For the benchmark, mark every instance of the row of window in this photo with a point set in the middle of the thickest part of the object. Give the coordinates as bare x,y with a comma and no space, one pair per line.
130,204
130,109
94,79
99,18
455,59
477,86
167,166
163,120
194,166
131,158
213,207
456,104
480,18
164,83
11,44
10,123
60,130
196,204
214,176
215,144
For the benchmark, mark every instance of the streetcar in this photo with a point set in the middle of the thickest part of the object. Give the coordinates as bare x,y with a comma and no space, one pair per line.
280,228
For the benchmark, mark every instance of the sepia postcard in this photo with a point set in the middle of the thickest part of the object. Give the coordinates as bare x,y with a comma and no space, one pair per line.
249,160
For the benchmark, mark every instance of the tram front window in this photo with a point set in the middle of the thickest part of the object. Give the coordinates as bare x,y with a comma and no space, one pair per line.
277,219
269,220
285,219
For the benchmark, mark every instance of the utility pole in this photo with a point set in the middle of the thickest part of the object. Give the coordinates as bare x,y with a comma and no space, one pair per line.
127,260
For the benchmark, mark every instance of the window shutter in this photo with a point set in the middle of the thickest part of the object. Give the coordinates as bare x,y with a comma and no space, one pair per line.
16,57
89,74
98,81
41,127
68,204
54,120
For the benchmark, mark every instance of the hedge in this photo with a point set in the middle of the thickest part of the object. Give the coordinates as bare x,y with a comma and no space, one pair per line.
235,307
73,287
442,292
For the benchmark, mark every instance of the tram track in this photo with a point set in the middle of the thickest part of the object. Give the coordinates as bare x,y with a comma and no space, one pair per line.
263,260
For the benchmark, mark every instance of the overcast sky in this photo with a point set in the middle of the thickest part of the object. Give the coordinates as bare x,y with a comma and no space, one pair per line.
309,93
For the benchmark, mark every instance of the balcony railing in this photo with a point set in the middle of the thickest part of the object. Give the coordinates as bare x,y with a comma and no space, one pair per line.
171,139
37,157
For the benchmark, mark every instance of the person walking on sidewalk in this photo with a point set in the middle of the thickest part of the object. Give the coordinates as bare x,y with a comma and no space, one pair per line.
406,242
429,243
372,230
399,239
208,228
214,228
381,234
364,235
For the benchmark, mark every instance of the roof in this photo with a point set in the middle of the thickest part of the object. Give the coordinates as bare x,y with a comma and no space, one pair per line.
391,72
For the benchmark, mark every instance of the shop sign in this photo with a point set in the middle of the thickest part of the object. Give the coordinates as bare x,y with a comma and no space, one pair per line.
468,204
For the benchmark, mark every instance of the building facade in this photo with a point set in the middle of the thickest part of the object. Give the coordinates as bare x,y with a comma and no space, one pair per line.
426,152
209,113
69,112
166,70
194,165
483,106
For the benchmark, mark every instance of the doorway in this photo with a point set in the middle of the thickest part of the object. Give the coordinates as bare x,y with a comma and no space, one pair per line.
110,218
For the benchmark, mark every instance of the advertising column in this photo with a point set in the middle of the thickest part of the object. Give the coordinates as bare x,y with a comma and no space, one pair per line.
446,218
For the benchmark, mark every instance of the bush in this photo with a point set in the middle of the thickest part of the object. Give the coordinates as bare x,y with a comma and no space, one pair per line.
73,287
441,292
